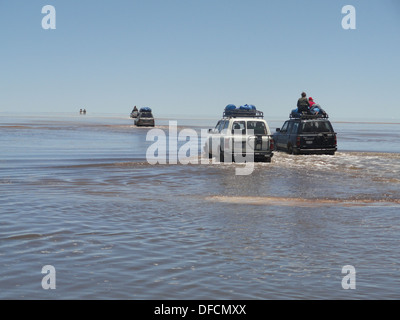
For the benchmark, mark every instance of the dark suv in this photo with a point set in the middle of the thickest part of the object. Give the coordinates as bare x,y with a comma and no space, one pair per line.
306,135
145,118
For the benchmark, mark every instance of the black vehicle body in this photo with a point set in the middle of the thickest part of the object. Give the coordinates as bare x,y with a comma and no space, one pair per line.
145,119
306,135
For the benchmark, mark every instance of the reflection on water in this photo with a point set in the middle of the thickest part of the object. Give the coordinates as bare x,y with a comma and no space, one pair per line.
79,195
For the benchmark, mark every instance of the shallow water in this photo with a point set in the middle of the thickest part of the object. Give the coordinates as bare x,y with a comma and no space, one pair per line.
77,193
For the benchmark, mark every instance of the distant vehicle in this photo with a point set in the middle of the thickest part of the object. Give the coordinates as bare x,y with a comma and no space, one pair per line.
306,134
145,118
134,114
244,129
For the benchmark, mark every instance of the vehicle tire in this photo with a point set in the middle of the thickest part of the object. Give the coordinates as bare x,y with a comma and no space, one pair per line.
207,152
289,149
221,156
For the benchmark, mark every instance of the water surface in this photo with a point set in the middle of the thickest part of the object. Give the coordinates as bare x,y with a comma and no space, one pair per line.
77,193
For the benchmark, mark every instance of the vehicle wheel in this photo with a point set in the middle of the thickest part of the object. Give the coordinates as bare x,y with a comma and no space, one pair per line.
290,149
207,152
222,157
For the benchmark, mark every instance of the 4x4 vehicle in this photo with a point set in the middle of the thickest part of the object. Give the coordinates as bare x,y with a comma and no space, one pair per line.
307,134
145,118
134,114
239,134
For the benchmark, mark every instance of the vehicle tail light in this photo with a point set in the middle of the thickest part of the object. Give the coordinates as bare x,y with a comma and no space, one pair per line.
298,141
271,144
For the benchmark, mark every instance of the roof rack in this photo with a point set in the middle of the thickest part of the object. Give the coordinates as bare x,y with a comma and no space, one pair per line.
309,116
238,113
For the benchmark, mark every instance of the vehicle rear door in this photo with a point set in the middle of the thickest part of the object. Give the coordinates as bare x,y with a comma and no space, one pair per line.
317,135
257,135
324,135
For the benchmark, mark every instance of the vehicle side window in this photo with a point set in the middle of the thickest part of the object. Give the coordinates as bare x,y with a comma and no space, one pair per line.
146,115
295,127
239,127
217,125
221,125
290,126
257,126
284,127
226,125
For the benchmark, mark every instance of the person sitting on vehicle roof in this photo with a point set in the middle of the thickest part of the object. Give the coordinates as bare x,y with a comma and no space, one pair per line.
314,108
311,102
302,104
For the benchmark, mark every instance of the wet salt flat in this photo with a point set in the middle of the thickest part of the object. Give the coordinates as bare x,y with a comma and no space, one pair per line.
77,193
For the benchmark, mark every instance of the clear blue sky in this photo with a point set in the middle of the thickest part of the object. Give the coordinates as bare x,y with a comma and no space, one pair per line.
193,57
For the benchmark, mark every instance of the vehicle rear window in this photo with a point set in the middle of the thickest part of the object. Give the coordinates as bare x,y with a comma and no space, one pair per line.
316,127
146,115
239,127
257,126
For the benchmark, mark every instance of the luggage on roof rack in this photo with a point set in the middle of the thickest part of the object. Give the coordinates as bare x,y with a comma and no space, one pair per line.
145,109
231,111
314,113
307,116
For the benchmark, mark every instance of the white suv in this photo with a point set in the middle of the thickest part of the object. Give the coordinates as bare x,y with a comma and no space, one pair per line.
240,135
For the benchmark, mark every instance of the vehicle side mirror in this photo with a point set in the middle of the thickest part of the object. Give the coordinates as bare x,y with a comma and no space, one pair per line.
278,129
209,130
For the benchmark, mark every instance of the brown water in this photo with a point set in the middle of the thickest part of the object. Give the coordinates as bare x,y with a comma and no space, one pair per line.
77,193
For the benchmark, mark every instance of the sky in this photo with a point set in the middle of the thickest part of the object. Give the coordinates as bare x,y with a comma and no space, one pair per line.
191,58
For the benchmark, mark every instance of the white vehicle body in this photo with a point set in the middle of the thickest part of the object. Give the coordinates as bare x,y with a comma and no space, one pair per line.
240,138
